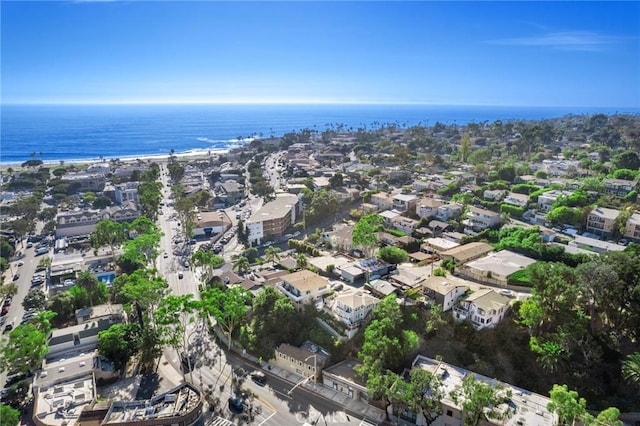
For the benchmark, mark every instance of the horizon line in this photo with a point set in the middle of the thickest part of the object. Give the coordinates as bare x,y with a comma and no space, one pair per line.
308,102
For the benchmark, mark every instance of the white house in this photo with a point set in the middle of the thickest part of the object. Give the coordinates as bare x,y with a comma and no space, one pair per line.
448,211
515,199
352,306
428,207
479,218
303,287
547,199
404,224
443,291
495,268
484,308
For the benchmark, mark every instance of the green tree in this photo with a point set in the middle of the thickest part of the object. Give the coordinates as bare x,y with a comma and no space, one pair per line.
272,254
626,160
108,233
9,416
63,304
608,417
465,147
301,261
568,406
365,233
241,265
119,342
208,261
393,254
35,299
479,400
143,249
228,307
423,393
631,368
90,283
25,348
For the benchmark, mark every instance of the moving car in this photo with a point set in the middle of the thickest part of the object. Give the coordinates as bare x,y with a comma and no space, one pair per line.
259,377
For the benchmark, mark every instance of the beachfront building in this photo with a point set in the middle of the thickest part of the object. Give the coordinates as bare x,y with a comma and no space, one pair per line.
273,219
94,182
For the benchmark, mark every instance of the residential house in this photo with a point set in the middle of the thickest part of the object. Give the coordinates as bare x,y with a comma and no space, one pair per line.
479,219
382,288
428,207
303,287
467,252
618,187
342,377
340,238
443,291
405,203
495,268
632,228
382,200
437,245
371,268
515,199
306,360
600,221
493,194
522,408
388,216
593,245
351,307
320,182
404,224
449,211
547,199
78,338
273,219
484,308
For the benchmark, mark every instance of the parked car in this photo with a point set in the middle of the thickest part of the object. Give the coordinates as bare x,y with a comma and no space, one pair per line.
16,277
180,275
259,377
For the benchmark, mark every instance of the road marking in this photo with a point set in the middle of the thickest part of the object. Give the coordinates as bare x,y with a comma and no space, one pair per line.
282,394
265,420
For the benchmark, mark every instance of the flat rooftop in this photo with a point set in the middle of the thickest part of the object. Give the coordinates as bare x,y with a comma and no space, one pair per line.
61,404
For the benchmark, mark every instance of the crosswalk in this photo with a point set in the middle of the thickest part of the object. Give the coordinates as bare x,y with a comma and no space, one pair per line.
219,421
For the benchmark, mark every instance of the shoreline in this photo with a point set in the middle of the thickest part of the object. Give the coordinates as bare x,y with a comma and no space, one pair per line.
195,153
190,154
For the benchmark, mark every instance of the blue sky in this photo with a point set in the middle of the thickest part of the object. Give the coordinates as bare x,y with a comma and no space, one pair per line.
584,54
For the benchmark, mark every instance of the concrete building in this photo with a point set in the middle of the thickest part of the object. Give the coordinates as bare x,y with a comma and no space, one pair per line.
547,199
520,407
83,222
484,308
404,224
437,245
382,200
515,199
211,223
632,228
449,211
61,403
76,339
618,187
600,221
428,207
94,182
273,219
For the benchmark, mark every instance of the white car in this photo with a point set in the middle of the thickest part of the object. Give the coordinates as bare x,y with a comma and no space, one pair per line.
296,234
165,255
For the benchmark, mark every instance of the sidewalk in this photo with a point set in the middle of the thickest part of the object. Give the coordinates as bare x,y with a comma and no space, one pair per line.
359,408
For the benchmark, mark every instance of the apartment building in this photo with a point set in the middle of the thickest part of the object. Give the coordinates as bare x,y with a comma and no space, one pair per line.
632,228
127,191
618,187
600,221
273,219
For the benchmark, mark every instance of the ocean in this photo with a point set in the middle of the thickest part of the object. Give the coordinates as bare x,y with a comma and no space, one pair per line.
89,132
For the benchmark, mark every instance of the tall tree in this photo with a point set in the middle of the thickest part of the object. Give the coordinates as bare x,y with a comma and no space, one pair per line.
465,147
108,233
567,405
241,264
9,416
272,254
208,261
228,307
119,342
90,283
365,233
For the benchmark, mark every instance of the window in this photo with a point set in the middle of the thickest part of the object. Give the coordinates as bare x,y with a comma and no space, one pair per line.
449,413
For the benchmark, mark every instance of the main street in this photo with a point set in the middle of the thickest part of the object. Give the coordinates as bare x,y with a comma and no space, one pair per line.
274,403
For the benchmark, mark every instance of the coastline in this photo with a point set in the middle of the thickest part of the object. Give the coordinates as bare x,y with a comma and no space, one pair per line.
161,158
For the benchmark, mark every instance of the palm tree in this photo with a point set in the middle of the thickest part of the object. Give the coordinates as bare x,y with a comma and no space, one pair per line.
301,261
241,265
89,283
631,368
271,254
